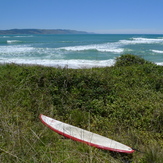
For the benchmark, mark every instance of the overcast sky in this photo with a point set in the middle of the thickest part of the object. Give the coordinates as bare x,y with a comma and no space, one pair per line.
100,16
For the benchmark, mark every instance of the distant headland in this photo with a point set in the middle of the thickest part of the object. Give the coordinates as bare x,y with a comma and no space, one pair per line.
40,31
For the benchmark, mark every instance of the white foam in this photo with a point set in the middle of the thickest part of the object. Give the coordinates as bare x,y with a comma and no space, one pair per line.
25,36
30,52
4,36
13,41
141,40
148,39
157,51
107,47
115,47
160,63
13,50
74,64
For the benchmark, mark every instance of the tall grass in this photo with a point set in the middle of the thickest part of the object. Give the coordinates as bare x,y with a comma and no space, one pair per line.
123,102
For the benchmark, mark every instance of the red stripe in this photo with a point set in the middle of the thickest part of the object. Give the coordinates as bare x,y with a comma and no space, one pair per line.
79,140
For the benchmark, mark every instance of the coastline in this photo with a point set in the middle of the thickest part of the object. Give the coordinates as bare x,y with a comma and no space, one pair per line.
69,64
72,64
78,51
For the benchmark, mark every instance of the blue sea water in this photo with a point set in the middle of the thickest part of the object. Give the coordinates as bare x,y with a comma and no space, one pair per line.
78,51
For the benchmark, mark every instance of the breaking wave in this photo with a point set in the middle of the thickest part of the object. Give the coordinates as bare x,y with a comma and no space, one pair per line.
157,51
13,41
159,63
108,47
74,64
114,47
14,50
28,51
141,40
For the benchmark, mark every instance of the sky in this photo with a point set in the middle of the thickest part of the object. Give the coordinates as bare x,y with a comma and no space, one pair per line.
99,16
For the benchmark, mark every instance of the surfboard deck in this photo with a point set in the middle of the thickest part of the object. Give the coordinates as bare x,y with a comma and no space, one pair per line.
81,135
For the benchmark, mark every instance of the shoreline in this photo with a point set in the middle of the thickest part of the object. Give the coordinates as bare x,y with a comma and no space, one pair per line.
65,64
70,64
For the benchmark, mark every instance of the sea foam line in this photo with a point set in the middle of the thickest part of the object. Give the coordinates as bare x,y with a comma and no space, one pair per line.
157,51
74,64
160,63
115,47
107,47
13,41
15,49
141,40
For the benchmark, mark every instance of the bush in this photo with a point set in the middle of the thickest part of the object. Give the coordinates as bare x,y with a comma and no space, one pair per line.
129,59
123,103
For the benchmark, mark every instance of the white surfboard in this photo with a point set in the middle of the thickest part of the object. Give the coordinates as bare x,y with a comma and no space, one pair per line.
81,135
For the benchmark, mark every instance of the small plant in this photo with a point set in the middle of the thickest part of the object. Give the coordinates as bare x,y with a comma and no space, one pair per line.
153,154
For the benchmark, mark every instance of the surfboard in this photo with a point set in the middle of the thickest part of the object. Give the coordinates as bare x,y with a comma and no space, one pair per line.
81,135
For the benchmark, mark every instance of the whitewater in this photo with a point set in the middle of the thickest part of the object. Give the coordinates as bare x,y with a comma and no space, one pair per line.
78,51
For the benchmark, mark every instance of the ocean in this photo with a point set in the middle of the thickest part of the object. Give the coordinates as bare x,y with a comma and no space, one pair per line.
78,50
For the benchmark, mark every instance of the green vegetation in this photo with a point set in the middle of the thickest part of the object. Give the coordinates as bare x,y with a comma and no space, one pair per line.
123,102
130,60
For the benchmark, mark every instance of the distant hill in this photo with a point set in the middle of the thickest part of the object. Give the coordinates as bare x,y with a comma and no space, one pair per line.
40,31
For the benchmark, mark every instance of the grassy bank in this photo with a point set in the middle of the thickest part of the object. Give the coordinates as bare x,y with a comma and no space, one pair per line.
123,102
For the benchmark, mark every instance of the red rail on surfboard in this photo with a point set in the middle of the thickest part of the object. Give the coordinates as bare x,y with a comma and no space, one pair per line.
81,135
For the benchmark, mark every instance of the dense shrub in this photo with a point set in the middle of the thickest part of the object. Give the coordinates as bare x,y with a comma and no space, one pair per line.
129,59
124,103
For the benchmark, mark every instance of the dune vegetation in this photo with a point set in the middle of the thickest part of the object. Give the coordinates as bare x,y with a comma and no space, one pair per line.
123,102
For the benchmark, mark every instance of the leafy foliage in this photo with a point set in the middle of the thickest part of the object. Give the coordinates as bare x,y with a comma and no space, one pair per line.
129,59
